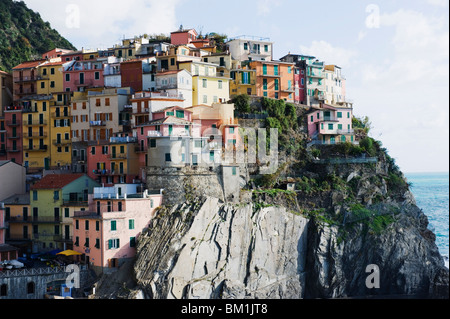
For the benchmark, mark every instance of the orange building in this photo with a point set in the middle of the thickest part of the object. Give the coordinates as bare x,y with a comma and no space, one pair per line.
274,79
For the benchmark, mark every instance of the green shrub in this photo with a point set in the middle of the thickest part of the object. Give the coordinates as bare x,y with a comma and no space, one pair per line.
242,103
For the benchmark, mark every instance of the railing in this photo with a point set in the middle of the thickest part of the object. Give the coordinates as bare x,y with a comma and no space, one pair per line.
11,123
31,123
34,219
61,142
25,78
27,91
17,136
37,271
85,83
34,134
343,132
154,134
117,156
41,148
102,172
12,150
279,74
97,123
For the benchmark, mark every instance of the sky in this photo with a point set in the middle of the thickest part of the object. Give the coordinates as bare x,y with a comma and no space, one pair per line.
393,53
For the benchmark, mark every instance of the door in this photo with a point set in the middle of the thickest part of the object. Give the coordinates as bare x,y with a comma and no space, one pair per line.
47,163
81,78
170,130
332,140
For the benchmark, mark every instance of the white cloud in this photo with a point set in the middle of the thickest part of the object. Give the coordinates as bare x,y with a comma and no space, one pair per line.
324,51
407,96
102,23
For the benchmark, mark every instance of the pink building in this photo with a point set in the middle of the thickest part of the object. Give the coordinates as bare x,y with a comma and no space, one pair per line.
330,124
106,233
80,75
11,135
183,36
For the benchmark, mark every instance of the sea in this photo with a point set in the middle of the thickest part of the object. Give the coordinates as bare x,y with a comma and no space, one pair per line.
431,191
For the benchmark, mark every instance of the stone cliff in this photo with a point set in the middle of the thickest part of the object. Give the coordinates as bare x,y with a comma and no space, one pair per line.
207,249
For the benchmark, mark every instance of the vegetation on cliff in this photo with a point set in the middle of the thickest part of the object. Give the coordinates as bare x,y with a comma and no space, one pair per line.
24,35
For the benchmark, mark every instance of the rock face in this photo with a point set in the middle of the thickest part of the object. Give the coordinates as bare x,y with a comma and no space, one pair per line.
207,249
213,250
406,255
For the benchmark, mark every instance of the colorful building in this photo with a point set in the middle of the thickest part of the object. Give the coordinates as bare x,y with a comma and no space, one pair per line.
18,219
49,199
106,233
300,77
243,81
250,48
330,124
7,252
334,85
274,79
208,85
11,134
83,74
6,89
177,83
25,77
183,36
114,161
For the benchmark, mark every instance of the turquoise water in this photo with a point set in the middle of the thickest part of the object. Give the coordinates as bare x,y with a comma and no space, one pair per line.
431,191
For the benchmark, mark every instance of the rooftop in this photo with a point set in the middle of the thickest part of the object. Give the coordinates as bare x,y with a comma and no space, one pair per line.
56,181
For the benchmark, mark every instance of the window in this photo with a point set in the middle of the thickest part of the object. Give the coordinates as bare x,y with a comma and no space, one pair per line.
107,101
119,206
205,83
231,130
339,126
234,171
3,290
312,118
77,224
132,241
168,157
264,69
52,84
86,225
152,143
113,225
330,127
205,99
113,243
56,195
245,46
97,225
131,224
42,85
277,84
220,84
30,285
339,115
86,244
97,243
35,195
275,70
77,241
266,48
264,84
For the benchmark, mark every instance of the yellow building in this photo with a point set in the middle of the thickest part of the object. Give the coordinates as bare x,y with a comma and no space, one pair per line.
168,61
46,132
208,85
243,81
50,78
17,214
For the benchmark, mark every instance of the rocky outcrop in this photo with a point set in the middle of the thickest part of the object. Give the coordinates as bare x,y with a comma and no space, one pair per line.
207,249
405,253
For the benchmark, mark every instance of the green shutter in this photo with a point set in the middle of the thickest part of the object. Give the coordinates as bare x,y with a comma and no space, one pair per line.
110,244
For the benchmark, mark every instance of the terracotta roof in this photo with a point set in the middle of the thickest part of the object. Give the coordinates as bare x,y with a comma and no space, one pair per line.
56,181
29,64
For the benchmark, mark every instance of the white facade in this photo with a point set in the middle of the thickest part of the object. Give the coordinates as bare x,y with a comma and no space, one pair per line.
334,85
176,83
251,48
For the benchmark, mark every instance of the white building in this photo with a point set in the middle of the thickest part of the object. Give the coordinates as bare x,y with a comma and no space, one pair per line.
334,84
176,83
250,48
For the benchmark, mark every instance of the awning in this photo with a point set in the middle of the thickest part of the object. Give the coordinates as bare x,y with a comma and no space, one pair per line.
69,253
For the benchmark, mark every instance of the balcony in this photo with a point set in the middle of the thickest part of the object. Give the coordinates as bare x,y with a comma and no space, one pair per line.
26,91
138,149
41,148
34,123
61,142
75,199
35,135
84,83
154,134
275,75
117,156
345,132
26,78
288,90
13,123
60,115
36,219
97,123
13,150
15,137
102,172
